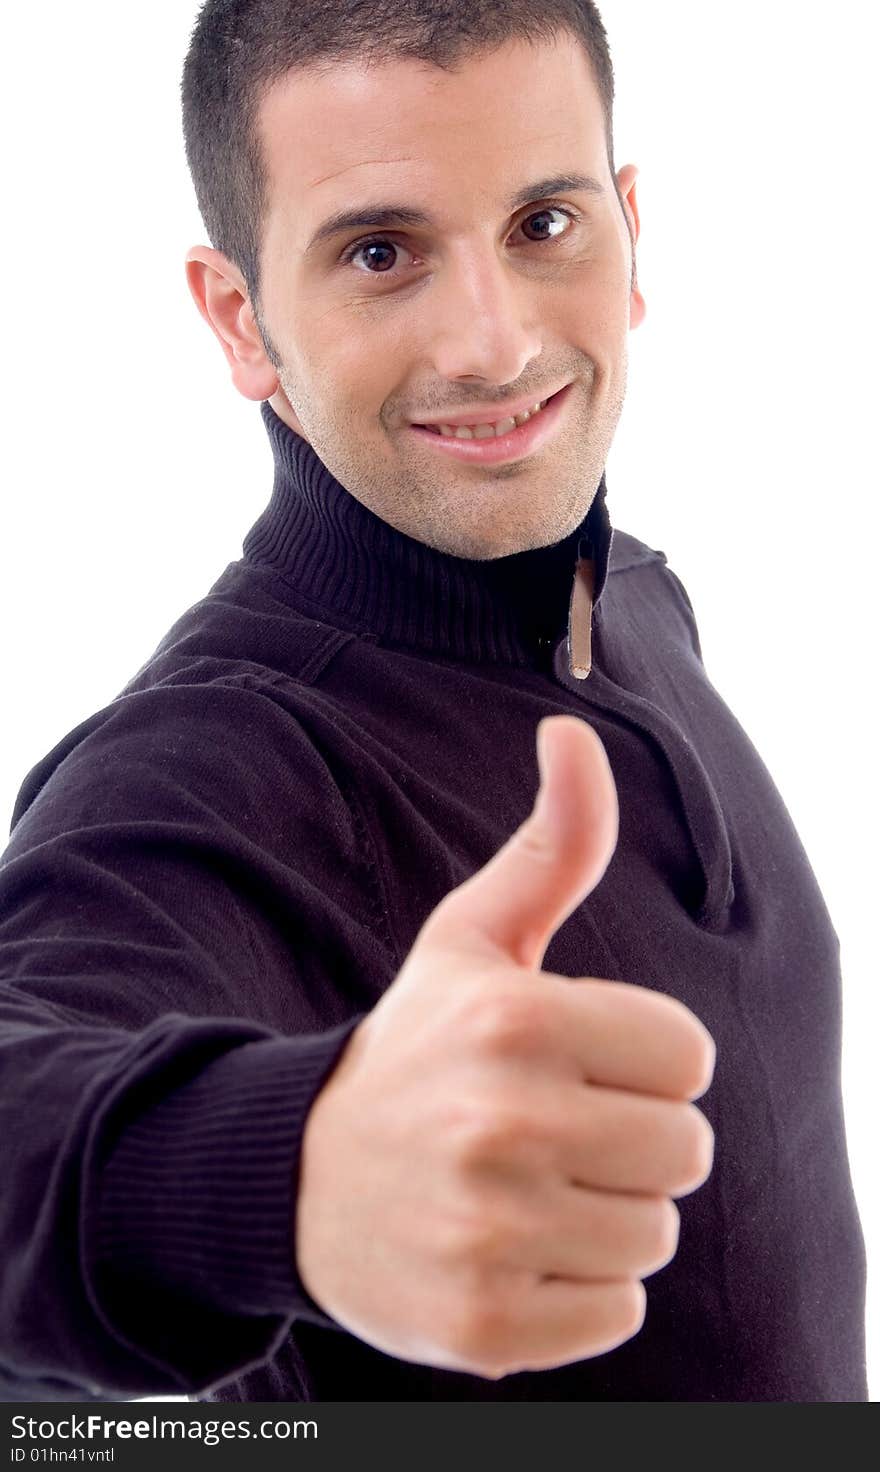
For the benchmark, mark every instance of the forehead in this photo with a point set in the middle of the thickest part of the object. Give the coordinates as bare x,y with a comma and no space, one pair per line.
336,134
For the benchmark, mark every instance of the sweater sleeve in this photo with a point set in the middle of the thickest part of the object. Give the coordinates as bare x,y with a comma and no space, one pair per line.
187,941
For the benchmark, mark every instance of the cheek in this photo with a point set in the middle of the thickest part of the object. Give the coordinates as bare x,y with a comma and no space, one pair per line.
599,302
363,365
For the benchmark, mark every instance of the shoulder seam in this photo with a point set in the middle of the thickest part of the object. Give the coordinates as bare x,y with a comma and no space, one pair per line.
644,560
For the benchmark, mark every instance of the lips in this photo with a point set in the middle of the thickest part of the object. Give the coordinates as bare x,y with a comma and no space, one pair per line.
516,444
519,419
481,420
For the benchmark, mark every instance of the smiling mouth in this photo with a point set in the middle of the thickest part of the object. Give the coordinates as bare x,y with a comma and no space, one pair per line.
515,439
505,424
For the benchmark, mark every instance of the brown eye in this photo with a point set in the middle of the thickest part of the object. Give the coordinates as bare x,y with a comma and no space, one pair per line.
375,249
542,214
372,245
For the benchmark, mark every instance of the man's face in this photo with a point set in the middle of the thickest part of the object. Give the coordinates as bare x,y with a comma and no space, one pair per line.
485,306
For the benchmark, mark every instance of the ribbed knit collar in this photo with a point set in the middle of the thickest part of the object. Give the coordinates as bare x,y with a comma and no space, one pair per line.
371,578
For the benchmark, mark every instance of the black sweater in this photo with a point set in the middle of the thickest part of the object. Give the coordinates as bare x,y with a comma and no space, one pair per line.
211,880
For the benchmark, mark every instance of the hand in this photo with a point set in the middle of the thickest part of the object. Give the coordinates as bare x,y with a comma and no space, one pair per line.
488,1172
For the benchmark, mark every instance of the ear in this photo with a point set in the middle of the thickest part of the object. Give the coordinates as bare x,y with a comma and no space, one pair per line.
626,183
219,291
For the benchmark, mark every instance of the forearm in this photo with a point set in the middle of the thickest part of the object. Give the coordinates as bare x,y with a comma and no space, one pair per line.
149,1185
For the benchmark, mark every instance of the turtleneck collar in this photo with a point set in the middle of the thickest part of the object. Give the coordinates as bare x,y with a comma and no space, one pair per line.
376,580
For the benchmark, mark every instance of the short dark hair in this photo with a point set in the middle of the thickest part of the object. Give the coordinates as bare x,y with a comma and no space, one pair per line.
239,48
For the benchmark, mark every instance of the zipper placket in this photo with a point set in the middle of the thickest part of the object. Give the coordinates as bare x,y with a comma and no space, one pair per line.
703,816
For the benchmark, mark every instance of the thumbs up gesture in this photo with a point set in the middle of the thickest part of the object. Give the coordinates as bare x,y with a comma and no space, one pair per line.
489,1172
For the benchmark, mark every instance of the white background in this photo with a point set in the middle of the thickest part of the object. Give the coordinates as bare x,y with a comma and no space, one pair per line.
132,469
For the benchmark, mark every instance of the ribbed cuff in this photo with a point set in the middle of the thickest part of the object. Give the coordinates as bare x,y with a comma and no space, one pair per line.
198,1194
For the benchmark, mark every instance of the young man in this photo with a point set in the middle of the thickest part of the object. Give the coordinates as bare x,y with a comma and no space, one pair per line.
336,1066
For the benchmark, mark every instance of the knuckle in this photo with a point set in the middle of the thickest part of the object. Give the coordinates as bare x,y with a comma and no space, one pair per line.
481,1335
702,1059
487,1134
697,1047
702,1147
470,1145
477,1242
538,841
502,1023
624,1306
665,1234
635,1306
697,1148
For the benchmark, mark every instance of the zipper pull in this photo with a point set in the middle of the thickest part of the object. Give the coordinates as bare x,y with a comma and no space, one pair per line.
580,618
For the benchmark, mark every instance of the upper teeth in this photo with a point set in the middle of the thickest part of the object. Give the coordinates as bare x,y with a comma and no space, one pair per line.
485,431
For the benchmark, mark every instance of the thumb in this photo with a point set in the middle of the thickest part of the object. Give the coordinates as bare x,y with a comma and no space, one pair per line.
510,909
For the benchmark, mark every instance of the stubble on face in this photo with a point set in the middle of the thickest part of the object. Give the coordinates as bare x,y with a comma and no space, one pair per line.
357,358
464,511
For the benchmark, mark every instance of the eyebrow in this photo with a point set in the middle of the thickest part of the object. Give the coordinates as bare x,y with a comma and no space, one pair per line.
384,215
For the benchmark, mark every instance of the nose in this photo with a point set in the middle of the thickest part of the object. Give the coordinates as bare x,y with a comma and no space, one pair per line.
481,319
